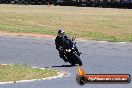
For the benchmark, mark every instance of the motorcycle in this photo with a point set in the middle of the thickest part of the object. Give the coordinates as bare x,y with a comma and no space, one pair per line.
70,53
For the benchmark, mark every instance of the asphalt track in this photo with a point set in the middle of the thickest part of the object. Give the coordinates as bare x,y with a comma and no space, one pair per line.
97,57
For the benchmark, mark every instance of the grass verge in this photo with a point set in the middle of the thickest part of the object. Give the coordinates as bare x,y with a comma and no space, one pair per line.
91,23
23,72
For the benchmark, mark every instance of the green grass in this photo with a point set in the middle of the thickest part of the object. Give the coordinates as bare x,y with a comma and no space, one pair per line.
23,72
90,23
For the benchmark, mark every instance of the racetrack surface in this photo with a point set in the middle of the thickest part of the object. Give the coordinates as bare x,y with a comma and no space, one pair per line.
97,57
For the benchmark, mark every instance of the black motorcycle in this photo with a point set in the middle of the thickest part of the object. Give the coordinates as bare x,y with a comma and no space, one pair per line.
70,53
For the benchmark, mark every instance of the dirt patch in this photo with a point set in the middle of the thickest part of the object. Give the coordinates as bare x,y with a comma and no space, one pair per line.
26,34
34,35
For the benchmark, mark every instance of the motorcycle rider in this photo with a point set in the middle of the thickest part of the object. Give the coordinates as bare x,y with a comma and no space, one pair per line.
60,43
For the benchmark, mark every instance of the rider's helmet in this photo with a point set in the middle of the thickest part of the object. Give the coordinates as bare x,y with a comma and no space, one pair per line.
61,33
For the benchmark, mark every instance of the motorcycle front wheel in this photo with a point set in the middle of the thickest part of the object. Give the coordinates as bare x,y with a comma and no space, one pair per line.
76,59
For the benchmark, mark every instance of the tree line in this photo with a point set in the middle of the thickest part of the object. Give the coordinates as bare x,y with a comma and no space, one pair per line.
89,3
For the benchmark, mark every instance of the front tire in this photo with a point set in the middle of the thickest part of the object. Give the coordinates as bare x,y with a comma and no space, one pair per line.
77,59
